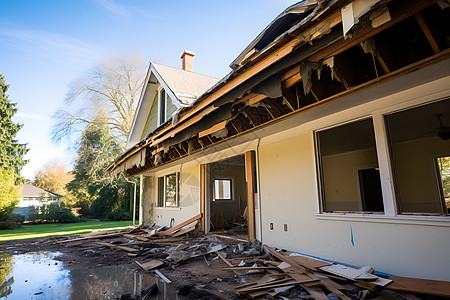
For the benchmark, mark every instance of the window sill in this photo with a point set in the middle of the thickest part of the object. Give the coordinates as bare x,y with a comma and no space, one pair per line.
443,221
167,208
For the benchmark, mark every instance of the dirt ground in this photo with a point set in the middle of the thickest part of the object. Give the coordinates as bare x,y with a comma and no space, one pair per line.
199,278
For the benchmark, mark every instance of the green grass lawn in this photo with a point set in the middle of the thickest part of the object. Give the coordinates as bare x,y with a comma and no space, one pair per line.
44,230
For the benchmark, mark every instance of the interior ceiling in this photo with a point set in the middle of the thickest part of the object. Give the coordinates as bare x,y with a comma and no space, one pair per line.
412,124
420,122
235,161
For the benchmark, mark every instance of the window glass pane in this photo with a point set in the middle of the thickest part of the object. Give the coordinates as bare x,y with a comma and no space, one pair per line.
222,189
443,164
417,137
171,190
349,168
162,106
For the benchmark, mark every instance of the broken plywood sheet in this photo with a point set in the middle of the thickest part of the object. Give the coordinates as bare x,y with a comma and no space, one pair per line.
348,272
149,265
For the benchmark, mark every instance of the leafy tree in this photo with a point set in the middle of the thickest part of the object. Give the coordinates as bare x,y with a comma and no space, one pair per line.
53,177
11,152
109,92
9,193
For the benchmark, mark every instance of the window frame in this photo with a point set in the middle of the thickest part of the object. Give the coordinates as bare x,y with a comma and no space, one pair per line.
162,110
438,180
232,197
392,212
163,193
320,172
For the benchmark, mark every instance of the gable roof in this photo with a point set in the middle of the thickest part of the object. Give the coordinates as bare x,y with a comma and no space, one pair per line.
183,87
186,86
29,190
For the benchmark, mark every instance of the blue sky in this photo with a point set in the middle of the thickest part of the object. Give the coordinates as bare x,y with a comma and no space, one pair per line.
45,45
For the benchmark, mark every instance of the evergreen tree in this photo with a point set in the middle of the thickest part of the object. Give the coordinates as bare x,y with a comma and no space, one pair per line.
11,152
93,188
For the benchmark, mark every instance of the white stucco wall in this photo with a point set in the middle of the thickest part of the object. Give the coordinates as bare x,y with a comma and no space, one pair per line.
289,196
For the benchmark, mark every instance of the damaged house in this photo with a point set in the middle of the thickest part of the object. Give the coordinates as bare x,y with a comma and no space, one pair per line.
331,135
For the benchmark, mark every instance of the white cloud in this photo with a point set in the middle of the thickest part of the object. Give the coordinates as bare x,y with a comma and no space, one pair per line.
50,46
113,8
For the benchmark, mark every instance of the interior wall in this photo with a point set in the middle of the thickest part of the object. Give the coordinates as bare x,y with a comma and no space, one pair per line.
289,196
341,181
416,176
239,193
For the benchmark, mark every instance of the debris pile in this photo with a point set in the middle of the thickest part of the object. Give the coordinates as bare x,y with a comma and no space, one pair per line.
274,274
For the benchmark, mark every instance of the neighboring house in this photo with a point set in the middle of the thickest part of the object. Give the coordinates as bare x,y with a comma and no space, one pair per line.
331,131
32,196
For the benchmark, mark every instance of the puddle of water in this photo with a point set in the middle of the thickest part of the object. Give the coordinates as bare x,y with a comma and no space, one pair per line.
40,276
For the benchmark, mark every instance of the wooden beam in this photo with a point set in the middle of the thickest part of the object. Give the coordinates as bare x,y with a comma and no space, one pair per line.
292,80
404,10
181,225
250,178
427,32
202,195
212,129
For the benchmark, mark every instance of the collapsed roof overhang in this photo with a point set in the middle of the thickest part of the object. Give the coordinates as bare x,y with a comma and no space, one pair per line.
305,66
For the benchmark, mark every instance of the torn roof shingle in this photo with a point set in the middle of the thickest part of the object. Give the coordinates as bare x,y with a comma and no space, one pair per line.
187,86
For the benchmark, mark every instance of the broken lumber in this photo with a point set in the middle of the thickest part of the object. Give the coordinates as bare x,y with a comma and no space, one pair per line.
149,265
103,236
246,268
179,226
181,232
224,259
420,286
112,246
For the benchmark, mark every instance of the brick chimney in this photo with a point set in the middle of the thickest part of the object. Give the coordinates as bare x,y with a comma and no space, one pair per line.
187,59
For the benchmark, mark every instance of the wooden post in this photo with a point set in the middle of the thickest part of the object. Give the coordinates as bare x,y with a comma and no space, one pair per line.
250,178
202,195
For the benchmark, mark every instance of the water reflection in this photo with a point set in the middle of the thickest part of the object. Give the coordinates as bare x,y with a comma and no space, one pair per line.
40,276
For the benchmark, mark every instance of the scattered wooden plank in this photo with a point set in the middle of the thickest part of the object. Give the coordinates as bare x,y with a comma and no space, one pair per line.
104,236
420,286
309,262
334,288
181,232
246,268
74,245
112,246
224,259
286,259
316,293
135,237
269,286
150,265
132,254
179,226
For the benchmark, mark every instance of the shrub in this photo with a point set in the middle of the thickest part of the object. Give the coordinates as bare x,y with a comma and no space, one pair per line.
118,215
53,213
13,221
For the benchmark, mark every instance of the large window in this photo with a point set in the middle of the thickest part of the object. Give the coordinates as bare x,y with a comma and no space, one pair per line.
350,178
168,190
420,151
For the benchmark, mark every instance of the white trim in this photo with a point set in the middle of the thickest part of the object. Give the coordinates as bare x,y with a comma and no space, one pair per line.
384,163
443,221
175,100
